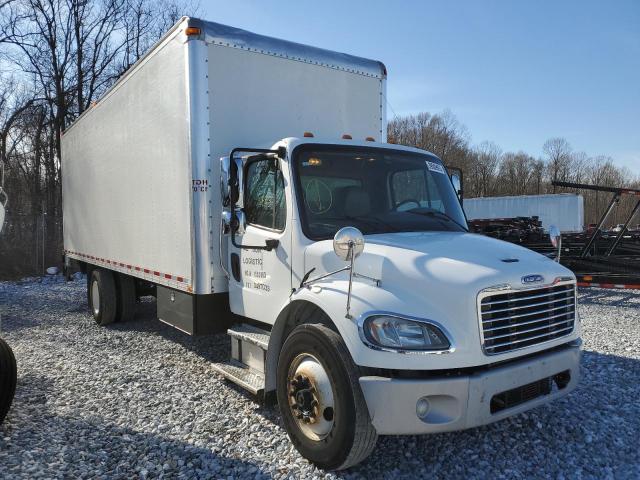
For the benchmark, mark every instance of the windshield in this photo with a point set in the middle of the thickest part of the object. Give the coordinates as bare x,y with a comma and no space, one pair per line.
375,190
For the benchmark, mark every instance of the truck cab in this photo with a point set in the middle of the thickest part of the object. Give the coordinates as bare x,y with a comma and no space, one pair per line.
245,182
444,329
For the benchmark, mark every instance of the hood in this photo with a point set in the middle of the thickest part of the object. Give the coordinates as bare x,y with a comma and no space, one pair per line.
444,259
436,276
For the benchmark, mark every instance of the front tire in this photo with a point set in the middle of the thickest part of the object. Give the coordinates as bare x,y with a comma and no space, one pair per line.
8,378
319,395
102,296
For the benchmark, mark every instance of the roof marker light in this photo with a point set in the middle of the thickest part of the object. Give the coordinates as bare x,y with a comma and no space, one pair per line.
346,136
308,135
370,139
192,31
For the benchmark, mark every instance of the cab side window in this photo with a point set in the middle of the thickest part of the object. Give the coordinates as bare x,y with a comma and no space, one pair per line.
264,201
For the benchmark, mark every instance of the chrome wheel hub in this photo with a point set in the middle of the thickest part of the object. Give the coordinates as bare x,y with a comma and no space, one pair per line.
311,396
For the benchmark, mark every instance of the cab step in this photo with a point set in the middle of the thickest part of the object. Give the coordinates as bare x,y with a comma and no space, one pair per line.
246,367
250,334
241,375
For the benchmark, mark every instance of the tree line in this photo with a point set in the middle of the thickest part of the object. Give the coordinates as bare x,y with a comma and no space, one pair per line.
489,171
57,57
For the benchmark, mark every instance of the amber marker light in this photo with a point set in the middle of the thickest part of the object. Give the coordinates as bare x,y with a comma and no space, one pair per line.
192,31
346,136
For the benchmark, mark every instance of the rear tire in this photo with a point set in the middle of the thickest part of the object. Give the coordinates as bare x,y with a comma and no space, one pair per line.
333,434
102,296
126,303
8,378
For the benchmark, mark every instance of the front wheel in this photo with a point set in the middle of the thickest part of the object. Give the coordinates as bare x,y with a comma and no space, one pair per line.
320,399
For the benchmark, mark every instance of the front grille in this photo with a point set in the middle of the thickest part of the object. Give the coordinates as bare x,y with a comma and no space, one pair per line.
522,318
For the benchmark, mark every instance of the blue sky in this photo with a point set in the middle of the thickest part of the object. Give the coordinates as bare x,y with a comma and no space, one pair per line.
513,72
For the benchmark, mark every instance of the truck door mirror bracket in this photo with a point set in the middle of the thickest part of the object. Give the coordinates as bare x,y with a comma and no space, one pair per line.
348,244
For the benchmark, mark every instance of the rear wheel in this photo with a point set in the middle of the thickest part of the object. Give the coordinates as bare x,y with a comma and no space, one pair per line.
320,399
126,302
8,377
102,296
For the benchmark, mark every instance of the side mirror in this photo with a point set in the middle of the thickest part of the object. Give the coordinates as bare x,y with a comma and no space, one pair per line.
457,184
238,223
225,164
455,175
226,222
556,240
232,181
348,243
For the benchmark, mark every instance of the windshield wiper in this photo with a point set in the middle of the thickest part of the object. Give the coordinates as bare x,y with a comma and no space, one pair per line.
378,222
433,213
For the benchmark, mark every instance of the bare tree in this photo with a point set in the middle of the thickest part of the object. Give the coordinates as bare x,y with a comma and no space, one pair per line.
487,160
489,172
558,152
63,55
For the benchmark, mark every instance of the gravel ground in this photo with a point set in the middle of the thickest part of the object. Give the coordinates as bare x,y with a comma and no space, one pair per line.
140,399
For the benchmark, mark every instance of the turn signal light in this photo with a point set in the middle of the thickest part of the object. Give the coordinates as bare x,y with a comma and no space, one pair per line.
346,136
308,135
190,31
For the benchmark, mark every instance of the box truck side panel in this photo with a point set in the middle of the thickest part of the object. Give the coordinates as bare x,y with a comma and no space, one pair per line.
127,174
565,211
256,99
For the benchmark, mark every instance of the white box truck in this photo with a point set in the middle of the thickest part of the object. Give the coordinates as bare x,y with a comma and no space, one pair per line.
246,183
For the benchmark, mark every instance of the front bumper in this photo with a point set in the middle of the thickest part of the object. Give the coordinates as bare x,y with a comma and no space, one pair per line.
460,402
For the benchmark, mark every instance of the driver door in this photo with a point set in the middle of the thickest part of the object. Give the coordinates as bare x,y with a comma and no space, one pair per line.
260,279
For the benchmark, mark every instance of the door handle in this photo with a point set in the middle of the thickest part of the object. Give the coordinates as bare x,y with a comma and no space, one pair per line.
271,244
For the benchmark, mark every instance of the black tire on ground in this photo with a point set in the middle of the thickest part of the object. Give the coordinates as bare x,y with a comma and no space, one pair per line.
8,377
352,437
105,306
89,271
126,303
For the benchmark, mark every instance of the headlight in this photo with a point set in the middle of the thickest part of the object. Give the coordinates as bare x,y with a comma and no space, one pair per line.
403,334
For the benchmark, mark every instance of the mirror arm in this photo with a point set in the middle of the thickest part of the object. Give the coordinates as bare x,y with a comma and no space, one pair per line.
353,259
306,282
306,277
376,281
321,277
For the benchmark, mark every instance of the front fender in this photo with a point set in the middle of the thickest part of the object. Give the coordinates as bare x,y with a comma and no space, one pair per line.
331,298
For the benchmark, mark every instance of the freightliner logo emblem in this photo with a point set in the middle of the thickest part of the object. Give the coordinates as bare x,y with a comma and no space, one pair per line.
529,279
